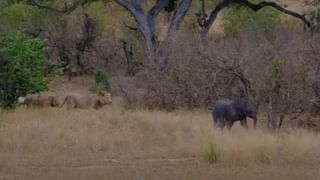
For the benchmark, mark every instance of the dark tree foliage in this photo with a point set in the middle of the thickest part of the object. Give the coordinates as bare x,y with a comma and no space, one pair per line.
172,5
23,68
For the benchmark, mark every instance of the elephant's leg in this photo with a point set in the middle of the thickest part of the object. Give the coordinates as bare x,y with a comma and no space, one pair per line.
215,119
222,125
215,122
219,123
229,124
243,123
221,128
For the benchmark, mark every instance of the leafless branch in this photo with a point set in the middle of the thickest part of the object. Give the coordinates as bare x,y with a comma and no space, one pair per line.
207,22
181,11
66,9
156,9
257,7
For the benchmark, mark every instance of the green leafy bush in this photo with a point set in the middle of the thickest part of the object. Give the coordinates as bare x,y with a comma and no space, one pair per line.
314,17
210,152
238,17
23,68
101,81
19,16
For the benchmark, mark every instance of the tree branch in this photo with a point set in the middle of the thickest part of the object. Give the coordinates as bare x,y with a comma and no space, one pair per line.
136,11
257,7
215,11
178,16
154,12
132,8
175,22
207,22
146,25
156,9
66,10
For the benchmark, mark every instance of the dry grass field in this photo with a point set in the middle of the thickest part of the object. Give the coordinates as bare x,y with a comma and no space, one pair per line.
115,143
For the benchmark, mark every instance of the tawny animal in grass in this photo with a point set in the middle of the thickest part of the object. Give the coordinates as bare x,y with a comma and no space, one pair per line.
95,101
34,100
225,112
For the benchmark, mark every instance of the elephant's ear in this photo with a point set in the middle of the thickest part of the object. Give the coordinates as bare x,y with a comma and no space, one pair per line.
246,100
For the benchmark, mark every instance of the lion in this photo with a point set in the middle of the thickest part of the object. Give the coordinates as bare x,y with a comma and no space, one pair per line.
95,101
39,101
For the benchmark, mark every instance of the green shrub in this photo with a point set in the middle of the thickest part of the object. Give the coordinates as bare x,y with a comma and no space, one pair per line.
314,17
23,68
101,81
210,152
238,17
19,16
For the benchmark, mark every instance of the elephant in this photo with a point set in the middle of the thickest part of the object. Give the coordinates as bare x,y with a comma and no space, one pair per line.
225,112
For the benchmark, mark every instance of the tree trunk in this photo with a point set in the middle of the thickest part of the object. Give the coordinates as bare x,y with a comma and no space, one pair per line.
271,115
175,22
151,51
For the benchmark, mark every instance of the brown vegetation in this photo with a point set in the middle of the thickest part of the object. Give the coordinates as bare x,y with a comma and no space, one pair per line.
162,76
54,143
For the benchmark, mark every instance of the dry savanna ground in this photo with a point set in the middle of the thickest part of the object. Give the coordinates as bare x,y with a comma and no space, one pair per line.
115,143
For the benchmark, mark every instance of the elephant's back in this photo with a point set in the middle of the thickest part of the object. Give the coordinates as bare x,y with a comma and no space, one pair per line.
222,109
222,104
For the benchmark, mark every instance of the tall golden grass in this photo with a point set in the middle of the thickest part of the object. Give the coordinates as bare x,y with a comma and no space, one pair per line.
54,135
116,130
112,129
259,146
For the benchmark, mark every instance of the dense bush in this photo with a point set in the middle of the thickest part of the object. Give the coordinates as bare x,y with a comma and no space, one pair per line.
197,77
105,35
238,17
314,17
23,68
210,152
19,16
101,81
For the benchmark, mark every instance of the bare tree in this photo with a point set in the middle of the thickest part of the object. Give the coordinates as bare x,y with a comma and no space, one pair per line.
66,9
146,25
206,22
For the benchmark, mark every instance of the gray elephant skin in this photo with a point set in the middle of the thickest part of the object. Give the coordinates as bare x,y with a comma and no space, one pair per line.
226,112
